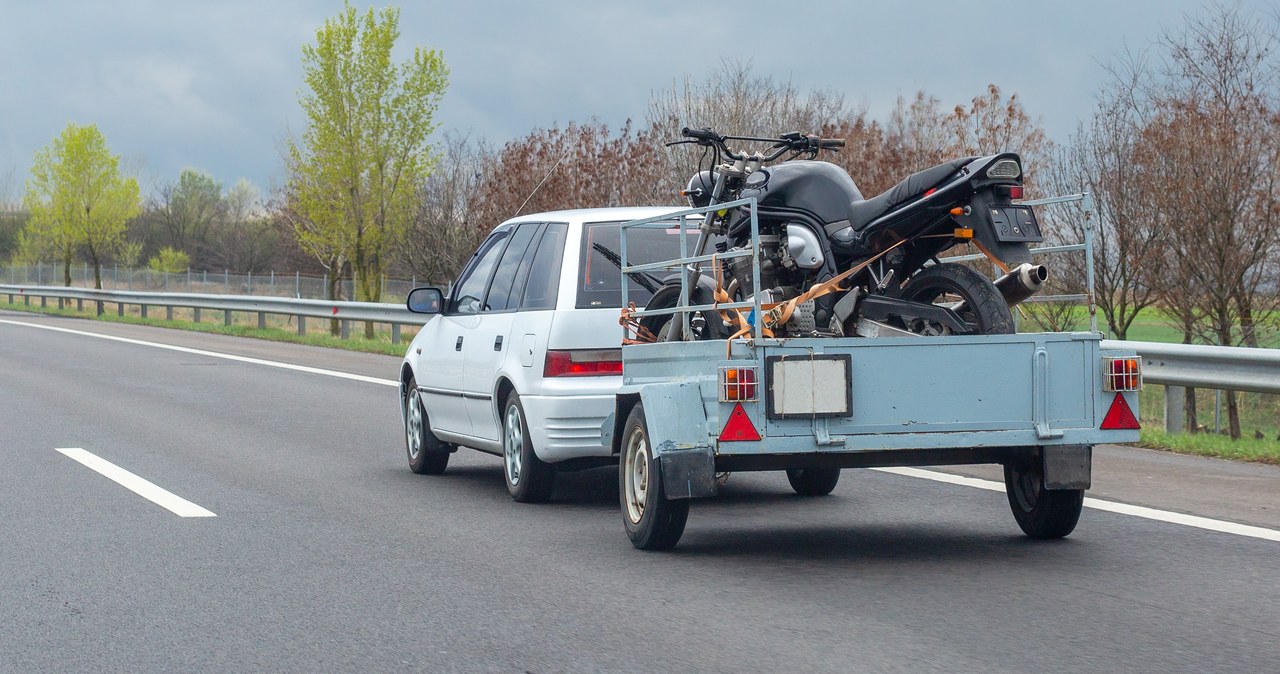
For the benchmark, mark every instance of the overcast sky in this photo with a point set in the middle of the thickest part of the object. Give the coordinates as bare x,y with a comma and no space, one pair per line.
214,85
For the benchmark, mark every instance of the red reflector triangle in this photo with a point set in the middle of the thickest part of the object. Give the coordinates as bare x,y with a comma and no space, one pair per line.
1119,417
739,426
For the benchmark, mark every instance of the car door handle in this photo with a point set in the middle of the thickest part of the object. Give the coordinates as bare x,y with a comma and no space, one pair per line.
497,343
458,346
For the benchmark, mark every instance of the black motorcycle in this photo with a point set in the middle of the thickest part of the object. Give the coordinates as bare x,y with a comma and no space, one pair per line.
832,263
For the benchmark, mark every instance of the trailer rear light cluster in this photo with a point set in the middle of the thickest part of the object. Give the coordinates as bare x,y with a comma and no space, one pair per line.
583,363
1122,374
738,384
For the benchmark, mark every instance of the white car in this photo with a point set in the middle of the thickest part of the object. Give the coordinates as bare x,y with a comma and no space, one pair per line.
524,355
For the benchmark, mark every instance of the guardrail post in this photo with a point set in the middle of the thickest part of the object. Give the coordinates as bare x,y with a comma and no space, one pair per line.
168,313
226,317
143,309
302,326
1175,398
262,320
44,301
197,311
346,329
60,304
120,308
26,299
79,304
395,333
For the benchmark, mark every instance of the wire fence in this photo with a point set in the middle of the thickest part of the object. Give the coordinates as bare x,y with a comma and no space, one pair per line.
271,284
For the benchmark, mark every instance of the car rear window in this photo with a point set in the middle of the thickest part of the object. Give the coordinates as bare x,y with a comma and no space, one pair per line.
600,270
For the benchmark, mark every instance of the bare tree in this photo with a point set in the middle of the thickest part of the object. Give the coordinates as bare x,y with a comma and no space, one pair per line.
1212,147
443,232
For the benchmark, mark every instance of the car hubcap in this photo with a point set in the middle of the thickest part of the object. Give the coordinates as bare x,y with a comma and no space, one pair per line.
413,425
636,471
513,443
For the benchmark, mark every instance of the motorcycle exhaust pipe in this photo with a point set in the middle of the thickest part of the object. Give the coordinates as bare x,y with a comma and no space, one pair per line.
1022,282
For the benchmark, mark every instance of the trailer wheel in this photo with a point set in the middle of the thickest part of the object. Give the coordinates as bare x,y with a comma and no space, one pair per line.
949,283
651,520
813,481
1042,513
529,479
427,455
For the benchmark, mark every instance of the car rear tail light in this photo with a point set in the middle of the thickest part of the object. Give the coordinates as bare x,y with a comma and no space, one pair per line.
738,384
583,363
1122,374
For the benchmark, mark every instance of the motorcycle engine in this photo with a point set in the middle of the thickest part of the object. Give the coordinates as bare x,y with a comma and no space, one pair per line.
780,278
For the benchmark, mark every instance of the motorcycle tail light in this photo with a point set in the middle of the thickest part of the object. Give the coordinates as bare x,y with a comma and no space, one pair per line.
1122,374
1005,168
1015,192
583,363
738,384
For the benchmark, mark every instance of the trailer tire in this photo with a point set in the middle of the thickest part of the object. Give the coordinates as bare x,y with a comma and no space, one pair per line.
1041,513
813,481
652,521
427,454
984,305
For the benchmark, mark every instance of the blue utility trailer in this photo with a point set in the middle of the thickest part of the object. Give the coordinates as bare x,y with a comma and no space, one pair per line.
689,411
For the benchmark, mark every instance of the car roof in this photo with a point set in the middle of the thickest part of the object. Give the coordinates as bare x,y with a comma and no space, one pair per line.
599,214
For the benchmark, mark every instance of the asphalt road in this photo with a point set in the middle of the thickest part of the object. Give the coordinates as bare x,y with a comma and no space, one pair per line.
327,554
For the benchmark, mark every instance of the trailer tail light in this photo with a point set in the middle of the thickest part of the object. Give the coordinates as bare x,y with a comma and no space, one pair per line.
1122,374
738,384
583,363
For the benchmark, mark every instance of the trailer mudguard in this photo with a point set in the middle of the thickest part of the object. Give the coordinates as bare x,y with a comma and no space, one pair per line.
677,427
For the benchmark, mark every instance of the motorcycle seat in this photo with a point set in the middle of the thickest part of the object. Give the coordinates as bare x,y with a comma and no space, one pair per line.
863,213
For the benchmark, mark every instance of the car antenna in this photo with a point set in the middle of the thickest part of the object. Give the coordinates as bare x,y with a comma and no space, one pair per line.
544,180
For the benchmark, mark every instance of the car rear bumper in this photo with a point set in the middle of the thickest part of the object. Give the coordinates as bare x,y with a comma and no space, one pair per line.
567,427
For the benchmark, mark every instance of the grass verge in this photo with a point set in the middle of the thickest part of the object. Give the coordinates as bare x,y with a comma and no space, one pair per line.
380,344
1212,444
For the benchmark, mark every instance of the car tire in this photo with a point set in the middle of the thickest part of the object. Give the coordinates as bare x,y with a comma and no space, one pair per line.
427,454
652,521
529,479
813,481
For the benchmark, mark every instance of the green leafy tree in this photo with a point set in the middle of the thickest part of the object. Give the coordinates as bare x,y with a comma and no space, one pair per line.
78,199
188,209
365,151
169,261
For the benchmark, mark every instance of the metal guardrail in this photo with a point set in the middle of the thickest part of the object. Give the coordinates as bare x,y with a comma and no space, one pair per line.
1182,366
1201,366
395,315
1176,366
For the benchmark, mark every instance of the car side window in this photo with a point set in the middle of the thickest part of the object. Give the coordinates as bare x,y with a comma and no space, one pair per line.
469,290
500,295
544,271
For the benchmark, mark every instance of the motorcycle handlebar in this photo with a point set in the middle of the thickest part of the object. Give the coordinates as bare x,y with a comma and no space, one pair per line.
790,142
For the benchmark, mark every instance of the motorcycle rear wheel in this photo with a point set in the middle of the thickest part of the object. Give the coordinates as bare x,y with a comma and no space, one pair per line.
949,283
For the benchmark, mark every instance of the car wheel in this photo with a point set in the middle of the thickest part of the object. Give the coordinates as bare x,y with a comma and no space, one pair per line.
427,455
652,521
813,481
529,479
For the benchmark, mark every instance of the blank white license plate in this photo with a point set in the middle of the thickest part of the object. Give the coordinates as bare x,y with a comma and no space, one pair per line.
809,386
